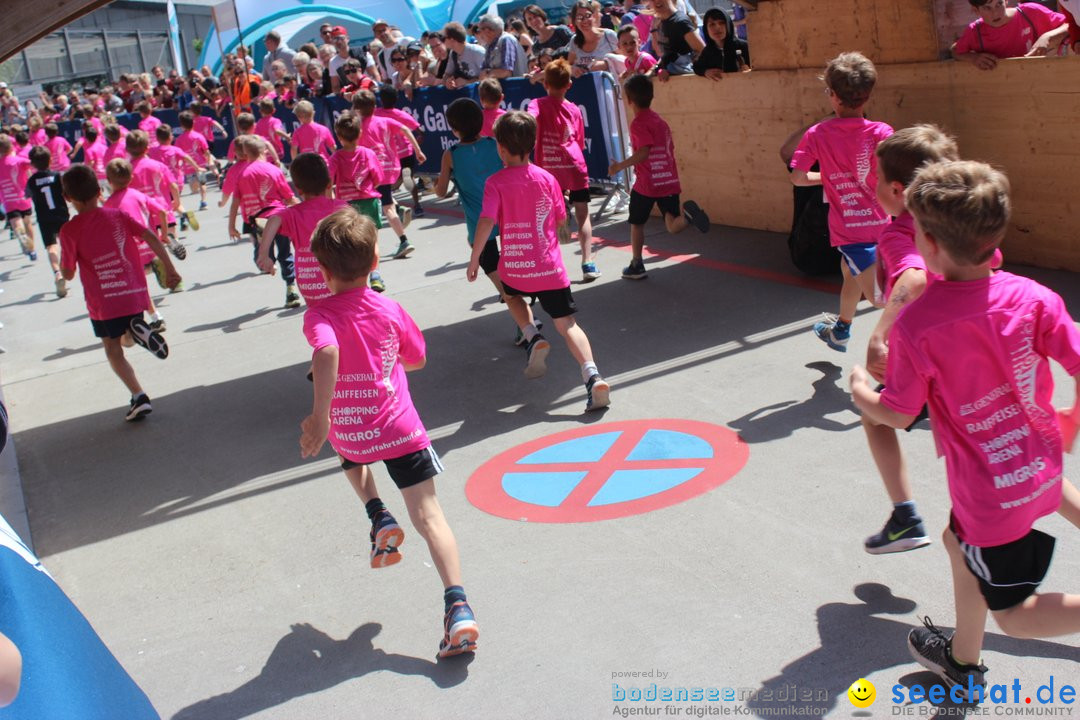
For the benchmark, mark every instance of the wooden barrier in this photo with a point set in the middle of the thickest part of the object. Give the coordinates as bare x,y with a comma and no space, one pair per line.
1023,117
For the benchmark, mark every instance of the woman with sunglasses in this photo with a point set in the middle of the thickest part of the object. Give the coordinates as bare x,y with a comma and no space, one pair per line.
592,43
545,35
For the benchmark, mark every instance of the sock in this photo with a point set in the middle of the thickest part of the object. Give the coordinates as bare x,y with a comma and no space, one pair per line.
453,594
841,327
530,332
588,370
404,239
904,512
154,317
373,507
375,275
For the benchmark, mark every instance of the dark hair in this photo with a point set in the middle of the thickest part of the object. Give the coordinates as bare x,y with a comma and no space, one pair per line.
163,133
730,45
466,118
136,143
309,173
348,127
52,129
245,120
535,10
364,102
516,132
388,96
187,120
454,31
22,137
118,172
851,77
80,183
266,105
90,132
143,107
345,244
112,132
353,65
639,90
902,154
579,36
40,157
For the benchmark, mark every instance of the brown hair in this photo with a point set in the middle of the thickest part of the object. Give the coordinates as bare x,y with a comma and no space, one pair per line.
364,103
80,183
851,77
489,91
557,75
136,143
516,132
902,154
964,205
639,90
118,172
345,243
163,133
245,121
5,144
310,174
348,127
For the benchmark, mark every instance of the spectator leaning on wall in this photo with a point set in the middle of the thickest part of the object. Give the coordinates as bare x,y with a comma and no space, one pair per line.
1028,30
466,59
504,56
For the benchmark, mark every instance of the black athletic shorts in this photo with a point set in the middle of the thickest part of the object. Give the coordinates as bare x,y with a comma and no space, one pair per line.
489,257
1008,574
409,161
387,193
582,195
924,414
641,206
11,214
50,232
113,327
556,303
407,470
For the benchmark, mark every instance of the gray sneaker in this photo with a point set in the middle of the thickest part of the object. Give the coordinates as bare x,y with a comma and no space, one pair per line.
933,650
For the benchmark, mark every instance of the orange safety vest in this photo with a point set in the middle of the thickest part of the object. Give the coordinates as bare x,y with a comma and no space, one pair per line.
241,92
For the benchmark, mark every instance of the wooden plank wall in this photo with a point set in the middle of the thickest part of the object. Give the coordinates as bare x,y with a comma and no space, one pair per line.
952,17
1021,117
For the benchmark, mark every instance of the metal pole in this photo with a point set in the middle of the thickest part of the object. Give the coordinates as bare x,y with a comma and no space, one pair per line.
108,55
26,64
67,49
139,45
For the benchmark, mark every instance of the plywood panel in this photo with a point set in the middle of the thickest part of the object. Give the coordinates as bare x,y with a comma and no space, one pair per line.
951,18
791,34
1020,117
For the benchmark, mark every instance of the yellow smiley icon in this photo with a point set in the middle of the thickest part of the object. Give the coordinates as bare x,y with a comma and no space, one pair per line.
862,693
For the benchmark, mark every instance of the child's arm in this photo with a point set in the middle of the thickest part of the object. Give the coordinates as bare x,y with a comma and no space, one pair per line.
407,133
190,161
1049,42
172,278
418,365
442,185
638,155
868,401
316,427
909,286
234,234
1069,421
484,226
805,178
273,225
175,193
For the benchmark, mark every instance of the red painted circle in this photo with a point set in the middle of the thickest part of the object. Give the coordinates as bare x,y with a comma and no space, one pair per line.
485,489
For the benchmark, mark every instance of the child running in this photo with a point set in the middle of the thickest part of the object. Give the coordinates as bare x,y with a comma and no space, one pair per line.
363,345
560,150
491,96
656,178
357,174
94,148
17,207
975,347
844,148
904,276
100,244
526,203
175,159
194,144
152,178
44,189
270,128
311,136
59,148
388,96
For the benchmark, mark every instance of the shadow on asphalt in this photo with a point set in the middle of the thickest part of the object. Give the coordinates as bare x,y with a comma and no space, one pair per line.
856,643
308,660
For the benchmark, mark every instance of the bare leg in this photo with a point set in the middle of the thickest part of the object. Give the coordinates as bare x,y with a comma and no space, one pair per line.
1070,502
885,448
1042,616
494,278
866,281
584,222
54,256
970,605
363,483
520,311
850,294
637,240
114,351
675,223
392,219
428,519
575,337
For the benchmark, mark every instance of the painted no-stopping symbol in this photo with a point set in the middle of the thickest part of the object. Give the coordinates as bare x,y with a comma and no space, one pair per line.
607,471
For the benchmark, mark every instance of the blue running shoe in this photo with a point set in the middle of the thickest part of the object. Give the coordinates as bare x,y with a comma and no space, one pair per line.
386,536
460,631
834,337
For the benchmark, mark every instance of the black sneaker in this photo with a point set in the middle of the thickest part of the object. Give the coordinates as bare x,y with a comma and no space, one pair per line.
292,297
147,338
635,271
158,325
897,537
536,351
598,393
695,216
140,408
933,650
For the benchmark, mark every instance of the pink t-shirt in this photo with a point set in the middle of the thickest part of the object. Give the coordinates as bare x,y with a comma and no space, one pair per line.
1014,38
228,186
101,244
260,186
59,147
560,141
38,137
148,125
173,158
372,416
14,171
141,208
977,352
313,137
401,143
24,150
298,224
844,148
897,252
94,156
356,173
196,146
117,150
379,134
490,116
153,178
267,128
526,203
642,64
657,176
204,125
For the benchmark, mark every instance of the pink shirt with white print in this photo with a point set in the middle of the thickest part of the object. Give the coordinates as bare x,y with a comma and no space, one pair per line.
116,150
267,128
560,141
94,156
844,149
153,178
14,171
148,125
173,158
657,175
356,173
101,244
526,203
372,416
259,186
977,352
401,143
59,147
313,137
141,208
642,64
379,134
194,145
298,223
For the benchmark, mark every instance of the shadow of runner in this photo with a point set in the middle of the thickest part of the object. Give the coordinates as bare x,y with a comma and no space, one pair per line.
308,660
854,644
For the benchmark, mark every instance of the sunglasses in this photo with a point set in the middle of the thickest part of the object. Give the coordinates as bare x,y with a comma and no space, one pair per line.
397,59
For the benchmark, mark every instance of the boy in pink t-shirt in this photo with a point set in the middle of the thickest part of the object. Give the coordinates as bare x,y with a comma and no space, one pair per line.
526,203
1027,30
656,176
637,61
196,146
844,148
363,344
356,175
388,95
311,136
177,161
147,122
116,145
94,149
101,244
490,93
14,171
59,147
560,149
975,347
270,128
156,180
